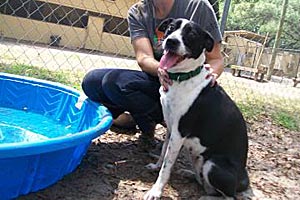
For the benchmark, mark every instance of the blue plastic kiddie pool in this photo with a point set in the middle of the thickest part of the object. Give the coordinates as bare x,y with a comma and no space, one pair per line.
45,130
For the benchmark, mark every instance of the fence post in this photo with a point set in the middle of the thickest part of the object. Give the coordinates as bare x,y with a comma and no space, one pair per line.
277,40
224,16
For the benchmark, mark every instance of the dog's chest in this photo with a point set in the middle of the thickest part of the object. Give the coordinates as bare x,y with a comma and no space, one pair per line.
179,98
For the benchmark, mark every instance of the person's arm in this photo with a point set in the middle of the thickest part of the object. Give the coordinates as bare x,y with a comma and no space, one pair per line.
215,61
145,58
144,55
140,38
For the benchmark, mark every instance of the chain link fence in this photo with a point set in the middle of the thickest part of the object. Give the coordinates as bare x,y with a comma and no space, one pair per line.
70,37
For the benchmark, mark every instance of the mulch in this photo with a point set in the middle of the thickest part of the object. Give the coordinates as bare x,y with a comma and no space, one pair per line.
114,168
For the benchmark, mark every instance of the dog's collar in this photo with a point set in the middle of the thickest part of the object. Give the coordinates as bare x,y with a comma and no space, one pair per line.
184,76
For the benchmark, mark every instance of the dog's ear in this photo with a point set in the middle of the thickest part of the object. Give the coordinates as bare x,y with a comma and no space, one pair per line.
209,42
164,24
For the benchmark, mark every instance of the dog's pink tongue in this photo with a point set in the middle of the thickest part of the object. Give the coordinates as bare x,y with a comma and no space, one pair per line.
168,60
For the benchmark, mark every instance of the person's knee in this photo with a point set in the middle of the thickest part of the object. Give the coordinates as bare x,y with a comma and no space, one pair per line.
92,84
85,84
102,85
111,82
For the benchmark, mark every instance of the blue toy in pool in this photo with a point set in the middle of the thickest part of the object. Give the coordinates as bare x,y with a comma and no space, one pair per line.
45,130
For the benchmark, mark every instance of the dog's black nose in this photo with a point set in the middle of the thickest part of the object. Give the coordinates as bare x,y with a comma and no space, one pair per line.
172,43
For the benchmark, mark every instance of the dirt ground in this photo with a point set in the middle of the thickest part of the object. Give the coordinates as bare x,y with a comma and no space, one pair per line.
113,168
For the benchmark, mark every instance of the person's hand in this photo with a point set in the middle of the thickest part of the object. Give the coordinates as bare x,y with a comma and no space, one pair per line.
164,79
211,74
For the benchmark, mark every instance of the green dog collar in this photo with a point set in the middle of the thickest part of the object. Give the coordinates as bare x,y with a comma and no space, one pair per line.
184,76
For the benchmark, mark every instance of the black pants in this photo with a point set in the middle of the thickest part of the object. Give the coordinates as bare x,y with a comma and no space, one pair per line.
123,90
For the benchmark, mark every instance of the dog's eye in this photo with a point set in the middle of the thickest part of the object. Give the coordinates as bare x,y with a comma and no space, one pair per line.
171,28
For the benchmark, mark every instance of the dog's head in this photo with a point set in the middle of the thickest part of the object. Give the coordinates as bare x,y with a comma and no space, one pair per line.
184,41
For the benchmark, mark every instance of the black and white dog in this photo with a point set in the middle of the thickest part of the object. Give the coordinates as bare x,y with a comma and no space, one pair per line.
199,117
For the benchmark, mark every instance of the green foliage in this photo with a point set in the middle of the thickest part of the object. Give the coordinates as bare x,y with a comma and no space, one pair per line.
249,112
262,16
256,105
286,120
279,115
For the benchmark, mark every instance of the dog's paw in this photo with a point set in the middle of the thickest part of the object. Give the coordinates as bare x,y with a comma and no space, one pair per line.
153,166
153,194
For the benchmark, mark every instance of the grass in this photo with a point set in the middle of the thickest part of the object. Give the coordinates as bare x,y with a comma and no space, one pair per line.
279,114
284,112
286,120
66,77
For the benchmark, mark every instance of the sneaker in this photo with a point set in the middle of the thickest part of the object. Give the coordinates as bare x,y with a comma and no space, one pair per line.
125,120
147,140
146,143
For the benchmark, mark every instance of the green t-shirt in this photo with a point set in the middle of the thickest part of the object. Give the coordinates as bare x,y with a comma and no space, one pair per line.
142,21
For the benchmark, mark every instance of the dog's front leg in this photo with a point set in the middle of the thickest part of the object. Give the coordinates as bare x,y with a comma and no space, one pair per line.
173,148
158,164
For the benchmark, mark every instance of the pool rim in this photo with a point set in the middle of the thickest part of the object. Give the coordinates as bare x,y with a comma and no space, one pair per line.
32,148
